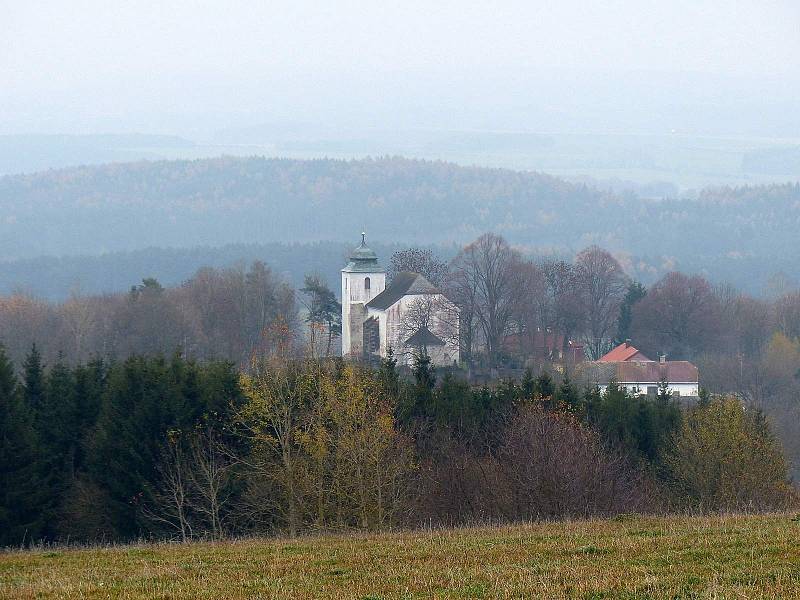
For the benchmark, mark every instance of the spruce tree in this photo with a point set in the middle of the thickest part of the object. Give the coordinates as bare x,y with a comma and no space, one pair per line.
636,291
33,383
528,384
58,432
388,375
20,490
90,382
592,401
424,372
543,386
567,394
425,376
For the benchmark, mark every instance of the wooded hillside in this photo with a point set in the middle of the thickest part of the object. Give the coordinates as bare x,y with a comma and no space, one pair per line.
91,210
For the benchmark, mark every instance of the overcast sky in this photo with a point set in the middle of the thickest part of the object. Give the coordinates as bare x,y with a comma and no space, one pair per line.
161,66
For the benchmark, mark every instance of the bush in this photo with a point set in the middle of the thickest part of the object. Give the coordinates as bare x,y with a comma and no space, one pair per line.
547,465
726,458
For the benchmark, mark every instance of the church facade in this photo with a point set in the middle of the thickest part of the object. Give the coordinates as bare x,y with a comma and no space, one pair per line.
409,316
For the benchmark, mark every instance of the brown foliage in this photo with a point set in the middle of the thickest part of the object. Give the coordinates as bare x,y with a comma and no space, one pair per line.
215,314
680,316
546,465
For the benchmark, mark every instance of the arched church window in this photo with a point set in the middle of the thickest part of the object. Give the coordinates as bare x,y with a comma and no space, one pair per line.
366,283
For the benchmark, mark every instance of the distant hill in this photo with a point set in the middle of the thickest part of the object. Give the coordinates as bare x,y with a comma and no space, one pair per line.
246,200
31,153
784,160
217,202
55,278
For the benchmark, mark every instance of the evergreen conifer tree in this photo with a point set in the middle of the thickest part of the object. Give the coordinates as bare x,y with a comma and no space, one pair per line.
425,376
90,382
424,371
58,434
636,291
33,383
528,384
567,394
20,490
387,373
543,386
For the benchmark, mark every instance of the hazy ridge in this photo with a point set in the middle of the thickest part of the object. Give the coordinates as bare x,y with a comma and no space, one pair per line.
748,232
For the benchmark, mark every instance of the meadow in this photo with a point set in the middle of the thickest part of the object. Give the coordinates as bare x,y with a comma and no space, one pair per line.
628,557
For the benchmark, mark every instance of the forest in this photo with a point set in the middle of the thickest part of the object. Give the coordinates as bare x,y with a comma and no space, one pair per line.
127,207
219,407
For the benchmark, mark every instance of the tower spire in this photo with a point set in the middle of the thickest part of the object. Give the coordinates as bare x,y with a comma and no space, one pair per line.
363,238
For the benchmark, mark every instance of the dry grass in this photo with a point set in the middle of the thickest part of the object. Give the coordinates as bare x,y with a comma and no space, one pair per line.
632,557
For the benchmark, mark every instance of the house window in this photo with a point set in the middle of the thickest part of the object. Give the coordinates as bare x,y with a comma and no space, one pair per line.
366,283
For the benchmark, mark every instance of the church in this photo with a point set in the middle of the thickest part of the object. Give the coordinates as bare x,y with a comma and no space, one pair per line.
410,316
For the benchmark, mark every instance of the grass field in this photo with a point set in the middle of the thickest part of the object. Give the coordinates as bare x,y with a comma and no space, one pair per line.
630,557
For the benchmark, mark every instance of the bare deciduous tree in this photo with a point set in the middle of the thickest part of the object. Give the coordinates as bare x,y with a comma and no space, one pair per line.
212,464
563,311
487,276
602,284
418,260
79,315
169,502
552,465
680,316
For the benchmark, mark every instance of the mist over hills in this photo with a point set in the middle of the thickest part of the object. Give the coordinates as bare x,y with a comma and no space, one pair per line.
654,165
30,153
741,235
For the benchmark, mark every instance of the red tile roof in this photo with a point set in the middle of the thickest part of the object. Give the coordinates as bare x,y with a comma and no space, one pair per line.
673,371
624,352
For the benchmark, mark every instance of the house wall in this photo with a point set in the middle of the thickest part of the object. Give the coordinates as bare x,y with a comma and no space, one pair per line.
690,389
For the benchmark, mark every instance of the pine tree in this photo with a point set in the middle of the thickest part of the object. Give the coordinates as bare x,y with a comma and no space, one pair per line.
528,384
543,386
424,372
455,406
636,291
145,398
425,376
90,382
592,403
33,383
567,394
388,375
59,436
20,518
323,308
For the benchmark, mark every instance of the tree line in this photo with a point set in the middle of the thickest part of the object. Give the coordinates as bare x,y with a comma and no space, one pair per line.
168,448
251,424
217,313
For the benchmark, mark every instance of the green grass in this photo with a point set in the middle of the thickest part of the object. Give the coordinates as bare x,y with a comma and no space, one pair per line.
631,558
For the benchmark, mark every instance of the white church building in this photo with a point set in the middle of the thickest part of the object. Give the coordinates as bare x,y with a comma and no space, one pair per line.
410,316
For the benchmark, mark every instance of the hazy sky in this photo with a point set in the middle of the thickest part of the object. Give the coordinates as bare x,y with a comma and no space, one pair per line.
100,65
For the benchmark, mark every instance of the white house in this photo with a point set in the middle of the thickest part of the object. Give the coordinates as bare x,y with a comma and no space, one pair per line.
409,316
631,369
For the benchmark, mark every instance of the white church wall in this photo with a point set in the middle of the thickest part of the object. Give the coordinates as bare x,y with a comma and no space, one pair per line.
394,333
354,296
356,290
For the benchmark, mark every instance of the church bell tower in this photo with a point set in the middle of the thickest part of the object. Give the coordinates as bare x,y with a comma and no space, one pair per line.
362,279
